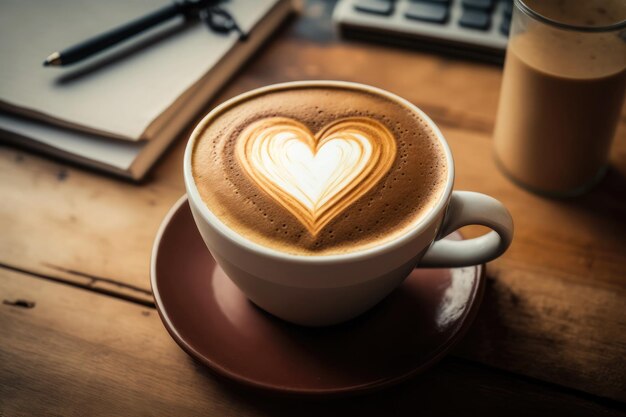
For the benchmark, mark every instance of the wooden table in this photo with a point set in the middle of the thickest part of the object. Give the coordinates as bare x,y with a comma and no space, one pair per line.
79,334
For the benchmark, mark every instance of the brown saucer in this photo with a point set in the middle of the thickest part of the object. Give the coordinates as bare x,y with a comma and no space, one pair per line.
214,322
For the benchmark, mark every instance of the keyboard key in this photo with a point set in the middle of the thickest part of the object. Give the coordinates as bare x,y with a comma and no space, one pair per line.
507,8
475,19
427,12
505,26
381,7
446,2
478,4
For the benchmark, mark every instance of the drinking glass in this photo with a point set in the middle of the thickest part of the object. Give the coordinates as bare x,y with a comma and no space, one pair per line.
562,93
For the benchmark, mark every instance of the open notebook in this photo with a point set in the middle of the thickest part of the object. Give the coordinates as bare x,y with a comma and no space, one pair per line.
119,110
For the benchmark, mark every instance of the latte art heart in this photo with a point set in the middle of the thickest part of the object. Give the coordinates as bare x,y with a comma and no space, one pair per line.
316,177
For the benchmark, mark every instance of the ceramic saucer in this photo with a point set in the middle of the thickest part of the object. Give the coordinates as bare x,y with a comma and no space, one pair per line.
214,322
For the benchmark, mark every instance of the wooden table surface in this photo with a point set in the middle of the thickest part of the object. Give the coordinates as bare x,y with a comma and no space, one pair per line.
79,334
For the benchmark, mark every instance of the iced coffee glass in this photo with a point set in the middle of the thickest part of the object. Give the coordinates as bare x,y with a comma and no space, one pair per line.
562,93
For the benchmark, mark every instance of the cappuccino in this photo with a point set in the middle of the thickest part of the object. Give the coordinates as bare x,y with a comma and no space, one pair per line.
318,169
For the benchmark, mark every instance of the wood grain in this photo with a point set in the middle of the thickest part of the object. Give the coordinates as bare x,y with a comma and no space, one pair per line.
558,261
79,226
554,306
77,353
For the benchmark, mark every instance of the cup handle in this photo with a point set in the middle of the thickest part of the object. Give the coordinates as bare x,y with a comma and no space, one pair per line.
466,208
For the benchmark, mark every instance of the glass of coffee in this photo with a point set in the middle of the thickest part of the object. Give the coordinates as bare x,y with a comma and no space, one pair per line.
318,198
562,93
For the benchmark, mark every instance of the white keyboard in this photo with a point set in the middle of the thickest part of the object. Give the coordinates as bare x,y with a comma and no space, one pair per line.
474,28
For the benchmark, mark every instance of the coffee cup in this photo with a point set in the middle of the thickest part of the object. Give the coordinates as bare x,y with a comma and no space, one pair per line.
348,276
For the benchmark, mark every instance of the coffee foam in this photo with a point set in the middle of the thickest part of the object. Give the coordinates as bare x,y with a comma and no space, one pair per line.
316,177
388,169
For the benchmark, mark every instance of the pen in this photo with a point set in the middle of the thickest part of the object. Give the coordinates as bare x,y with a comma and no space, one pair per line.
217,19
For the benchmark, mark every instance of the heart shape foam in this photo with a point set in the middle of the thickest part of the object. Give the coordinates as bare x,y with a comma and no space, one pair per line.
316,177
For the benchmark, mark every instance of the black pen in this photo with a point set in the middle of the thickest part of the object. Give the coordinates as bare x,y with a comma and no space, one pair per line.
187,8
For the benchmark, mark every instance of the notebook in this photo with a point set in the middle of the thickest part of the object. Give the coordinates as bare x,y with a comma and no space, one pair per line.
119,110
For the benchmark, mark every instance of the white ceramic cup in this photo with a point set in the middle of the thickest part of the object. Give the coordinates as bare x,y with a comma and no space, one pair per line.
329,289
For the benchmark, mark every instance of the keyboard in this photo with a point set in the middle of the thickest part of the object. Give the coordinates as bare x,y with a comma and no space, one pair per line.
476,29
